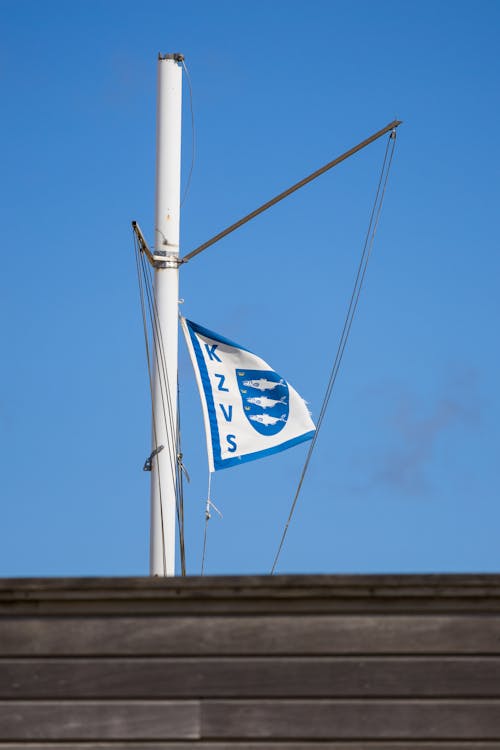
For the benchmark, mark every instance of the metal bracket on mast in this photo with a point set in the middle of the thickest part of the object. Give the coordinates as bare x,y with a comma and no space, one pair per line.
162,259
158,259
148,463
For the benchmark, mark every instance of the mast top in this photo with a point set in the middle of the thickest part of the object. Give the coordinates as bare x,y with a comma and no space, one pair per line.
177,56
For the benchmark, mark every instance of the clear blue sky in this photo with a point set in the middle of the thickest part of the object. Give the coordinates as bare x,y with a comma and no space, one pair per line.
405,477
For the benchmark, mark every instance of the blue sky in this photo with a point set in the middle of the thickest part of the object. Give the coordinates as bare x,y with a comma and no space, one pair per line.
405,476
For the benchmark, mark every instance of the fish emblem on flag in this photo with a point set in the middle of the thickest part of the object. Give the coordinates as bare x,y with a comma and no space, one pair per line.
265,398
249,409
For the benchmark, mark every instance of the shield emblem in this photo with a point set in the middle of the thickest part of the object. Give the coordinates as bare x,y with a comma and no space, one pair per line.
265,399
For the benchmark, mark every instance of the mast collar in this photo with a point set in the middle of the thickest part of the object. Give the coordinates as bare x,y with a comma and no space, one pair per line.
166,260
177,56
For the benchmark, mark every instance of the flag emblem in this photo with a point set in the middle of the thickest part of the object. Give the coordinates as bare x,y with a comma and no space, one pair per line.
249,409
265,398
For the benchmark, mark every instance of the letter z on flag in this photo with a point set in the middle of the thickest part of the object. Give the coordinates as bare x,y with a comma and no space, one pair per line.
250,411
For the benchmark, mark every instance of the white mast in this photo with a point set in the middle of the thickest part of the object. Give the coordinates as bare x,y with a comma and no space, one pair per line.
168,178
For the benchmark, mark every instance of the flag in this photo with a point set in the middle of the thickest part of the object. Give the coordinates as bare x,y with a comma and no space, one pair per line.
250,411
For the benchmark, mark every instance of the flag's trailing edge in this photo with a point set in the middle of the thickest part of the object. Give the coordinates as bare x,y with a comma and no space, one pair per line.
249,410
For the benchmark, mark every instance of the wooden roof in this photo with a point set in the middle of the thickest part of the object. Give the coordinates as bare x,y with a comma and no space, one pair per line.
399,662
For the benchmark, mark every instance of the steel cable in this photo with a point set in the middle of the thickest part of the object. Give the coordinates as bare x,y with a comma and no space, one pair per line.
173,443
146,284
138,256
363,264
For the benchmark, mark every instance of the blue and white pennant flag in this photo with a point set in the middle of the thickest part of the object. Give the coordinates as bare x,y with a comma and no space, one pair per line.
249,410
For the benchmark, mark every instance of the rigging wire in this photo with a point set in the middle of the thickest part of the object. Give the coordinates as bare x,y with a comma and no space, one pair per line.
138,258
363,264
160,352
146,284
164,386
160,364
160,359
179,504
193,134
176,465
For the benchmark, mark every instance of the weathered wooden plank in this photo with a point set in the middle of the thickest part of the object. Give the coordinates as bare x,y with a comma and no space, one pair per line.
160,678
116,586
354,720
265,745
92,720
252,635
257,594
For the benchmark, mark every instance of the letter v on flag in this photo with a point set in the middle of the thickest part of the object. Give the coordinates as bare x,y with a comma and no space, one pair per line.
250,411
